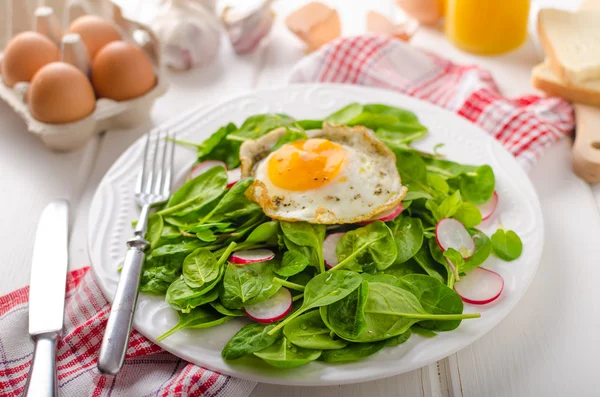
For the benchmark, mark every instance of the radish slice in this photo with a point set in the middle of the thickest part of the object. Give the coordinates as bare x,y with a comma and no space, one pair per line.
234,176
480,286
386,215
204,166
488,208
450,233
273,309
245,257
329,249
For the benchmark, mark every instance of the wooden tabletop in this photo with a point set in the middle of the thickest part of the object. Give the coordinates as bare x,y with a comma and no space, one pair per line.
547,346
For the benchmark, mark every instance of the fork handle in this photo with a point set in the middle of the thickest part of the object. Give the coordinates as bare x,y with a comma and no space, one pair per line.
118,328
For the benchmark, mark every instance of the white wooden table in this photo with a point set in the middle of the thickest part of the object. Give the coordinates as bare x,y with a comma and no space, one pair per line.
546,347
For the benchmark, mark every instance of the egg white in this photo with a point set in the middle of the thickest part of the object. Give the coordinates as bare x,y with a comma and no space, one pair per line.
368,184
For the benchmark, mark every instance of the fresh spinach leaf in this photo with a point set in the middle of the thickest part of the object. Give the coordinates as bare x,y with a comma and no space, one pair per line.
218,147
263,233
352,352
292,263
184,247
435,298
234,204
373,120
456,264
402,115
155,229
368,247
483,249
309,331
408,235
426,333
309,124
258,125
283,354
184,298
468,214
391,311
507,244
251,338
325,289
345,114
291,135
197,192
247,284
309,236
346,317
197,318
402,269
431,266
399,339
200,268
225,311
478,187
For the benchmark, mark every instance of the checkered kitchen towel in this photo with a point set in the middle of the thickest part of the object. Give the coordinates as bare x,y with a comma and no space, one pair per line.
525,125
148,370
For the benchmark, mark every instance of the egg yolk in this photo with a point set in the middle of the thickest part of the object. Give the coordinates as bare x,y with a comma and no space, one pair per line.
306,165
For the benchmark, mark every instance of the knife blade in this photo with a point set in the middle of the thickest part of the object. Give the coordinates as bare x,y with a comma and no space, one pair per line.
47,296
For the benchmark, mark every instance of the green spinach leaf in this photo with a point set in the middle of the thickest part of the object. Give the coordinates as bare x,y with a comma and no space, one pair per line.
325,289
368,247
309,331
197,192
308,236
283,354
251,338
292,263
408,235
197,318
258,125
345,114
507,244
346,317
352,352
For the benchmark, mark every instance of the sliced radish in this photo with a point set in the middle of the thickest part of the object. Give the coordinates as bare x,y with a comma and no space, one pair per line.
234,176
273,309
480,286
330,249
386,215
488,208
245,257
450,233
204,166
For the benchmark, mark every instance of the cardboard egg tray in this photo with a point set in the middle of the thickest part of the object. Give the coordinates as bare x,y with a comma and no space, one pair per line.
18,16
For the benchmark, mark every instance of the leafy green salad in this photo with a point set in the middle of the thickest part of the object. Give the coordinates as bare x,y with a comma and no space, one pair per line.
333,293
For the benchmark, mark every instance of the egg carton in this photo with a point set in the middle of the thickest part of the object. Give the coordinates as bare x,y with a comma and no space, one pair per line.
18,16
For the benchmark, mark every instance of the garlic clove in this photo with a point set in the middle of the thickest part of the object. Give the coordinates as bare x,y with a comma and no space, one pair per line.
189,33
315,24
247,29
379,24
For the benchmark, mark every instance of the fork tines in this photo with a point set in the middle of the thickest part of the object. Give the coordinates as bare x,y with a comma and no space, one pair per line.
157,167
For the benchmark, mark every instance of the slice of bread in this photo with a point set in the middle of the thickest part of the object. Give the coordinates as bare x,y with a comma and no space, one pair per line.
571,42
543,78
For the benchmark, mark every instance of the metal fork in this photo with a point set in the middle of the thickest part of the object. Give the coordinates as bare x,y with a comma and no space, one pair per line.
153,187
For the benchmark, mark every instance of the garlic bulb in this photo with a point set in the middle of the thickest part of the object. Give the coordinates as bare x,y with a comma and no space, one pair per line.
189,33
247,28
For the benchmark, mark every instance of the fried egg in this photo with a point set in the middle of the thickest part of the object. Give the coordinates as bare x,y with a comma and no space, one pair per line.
338,175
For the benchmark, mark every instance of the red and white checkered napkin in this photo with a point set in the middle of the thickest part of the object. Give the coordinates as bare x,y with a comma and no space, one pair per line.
148,370
525,126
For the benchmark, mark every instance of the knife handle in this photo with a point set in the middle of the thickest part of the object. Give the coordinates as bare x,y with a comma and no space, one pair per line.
42,381
118,328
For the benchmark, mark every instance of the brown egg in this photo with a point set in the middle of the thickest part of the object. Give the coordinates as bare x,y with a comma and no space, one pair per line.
25,54
122,71
60,93
95,32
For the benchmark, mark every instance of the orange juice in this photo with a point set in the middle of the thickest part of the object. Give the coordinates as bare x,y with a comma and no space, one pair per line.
487,26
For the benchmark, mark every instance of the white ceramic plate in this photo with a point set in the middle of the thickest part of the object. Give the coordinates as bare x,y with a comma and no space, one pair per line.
113,209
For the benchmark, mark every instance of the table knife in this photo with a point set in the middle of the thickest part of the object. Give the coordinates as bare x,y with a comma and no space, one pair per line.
47,297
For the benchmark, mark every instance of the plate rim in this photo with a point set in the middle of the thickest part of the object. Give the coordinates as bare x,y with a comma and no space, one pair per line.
231,371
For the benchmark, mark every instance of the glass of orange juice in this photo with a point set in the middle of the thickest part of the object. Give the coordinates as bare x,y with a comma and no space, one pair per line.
487,26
